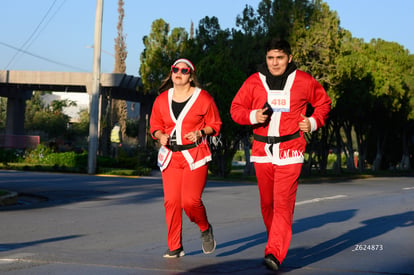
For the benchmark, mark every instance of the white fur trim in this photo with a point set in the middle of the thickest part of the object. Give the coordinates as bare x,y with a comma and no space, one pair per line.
313,124
253,119
186,61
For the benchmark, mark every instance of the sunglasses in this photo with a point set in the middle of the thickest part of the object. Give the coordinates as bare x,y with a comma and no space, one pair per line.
175,70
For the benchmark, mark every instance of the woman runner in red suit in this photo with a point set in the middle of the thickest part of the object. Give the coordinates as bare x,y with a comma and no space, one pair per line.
183,115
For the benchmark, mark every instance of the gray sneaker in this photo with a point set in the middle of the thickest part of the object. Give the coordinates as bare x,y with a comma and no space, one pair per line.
207,237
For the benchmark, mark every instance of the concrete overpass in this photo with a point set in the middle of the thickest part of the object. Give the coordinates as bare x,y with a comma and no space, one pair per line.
18,86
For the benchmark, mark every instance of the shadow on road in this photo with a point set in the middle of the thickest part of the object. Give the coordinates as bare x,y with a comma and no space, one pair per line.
251,266
302,257
245,243
369,229
321,220
12,246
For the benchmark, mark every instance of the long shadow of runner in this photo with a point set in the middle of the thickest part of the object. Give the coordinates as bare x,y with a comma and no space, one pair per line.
255,266
321,220
12,246
245,244
371,228
299,226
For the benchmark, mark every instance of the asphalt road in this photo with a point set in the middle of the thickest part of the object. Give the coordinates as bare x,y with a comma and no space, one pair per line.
81,224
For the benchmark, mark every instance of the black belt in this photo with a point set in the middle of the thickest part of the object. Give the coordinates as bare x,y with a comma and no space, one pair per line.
271,140
176,147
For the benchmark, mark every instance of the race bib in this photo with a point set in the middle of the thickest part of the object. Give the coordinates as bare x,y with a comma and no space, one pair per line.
164,157
279,101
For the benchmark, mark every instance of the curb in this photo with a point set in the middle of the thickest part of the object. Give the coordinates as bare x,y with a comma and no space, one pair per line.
8,199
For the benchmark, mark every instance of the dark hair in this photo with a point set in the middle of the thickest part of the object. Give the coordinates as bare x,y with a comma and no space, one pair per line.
278,44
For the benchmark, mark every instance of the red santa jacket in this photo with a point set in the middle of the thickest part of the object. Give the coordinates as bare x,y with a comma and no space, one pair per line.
199,112
300,89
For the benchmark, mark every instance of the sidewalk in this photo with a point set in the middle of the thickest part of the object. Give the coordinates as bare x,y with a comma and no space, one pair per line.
9,198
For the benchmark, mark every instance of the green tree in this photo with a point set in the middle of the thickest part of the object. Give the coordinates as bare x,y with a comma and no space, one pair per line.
114,110
408,128
54,124
389,65
121,52
119,108
3,112
82,127
370,84
78,132
316,41
373,99
353,103
35,104
48,119
225,51
162,48
215,53
351,84
56,106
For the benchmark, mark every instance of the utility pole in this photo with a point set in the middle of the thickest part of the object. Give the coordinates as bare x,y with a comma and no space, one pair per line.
95,90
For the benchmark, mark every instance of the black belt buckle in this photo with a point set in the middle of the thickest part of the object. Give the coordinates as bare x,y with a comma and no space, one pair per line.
174,147
271,139
177,147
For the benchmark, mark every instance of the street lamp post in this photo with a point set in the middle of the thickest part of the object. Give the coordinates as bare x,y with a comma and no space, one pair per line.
95,90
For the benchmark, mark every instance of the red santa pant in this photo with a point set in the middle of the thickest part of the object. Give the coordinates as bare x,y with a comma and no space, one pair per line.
182,190
277,188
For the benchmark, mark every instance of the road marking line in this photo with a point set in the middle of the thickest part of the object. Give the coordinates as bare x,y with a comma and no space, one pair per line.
5,261
15,258
408,188
321,199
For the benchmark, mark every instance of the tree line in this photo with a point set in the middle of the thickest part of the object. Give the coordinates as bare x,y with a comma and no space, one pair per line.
370,83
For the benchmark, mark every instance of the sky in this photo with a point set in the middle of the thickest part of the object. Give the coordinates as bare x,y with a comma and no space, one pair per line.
58,35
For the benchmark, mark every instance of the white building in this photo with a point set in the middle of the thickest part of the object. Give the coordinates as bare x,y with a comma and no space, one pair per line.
81,99
82,103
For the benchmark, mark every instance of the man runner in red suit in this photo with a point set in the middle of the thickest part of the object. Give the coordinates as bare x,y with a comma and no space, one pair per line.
273,100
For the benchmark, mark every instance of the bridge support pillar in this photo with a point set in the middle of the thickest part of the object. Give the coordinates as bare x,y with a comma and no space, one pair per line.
16,109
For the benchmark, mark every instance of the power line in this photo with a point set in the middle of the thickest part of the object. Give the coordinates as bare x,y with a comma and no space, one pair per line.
35,34
30,37
42,58
47,23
